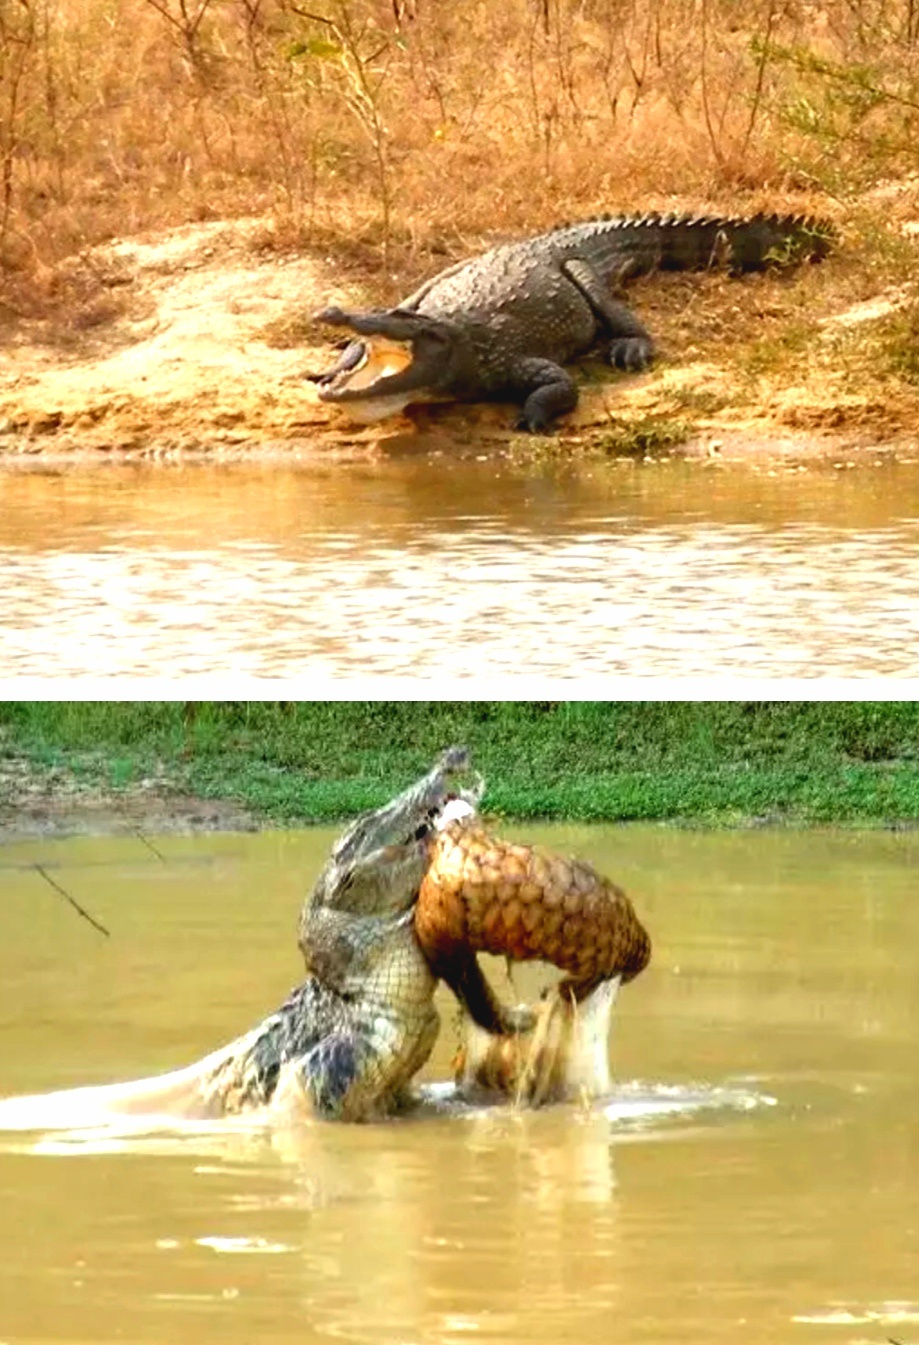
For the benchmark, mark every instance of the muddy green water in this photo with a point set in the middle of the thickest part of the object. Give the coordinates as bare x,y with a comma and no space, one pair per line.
755,1176
434,567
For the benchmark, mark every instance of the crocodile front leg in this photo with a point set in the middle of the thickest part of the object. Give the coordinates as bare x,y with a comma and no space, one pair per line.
547,391
630,347
362,1072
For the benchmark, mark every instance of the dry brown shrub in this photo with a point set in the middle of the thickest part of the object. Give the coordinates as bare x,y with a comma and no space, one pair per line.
428,125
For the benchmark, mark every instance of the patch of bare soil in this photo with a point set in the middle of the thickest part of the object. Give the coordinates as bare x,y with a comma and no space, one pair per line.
37,801
197,340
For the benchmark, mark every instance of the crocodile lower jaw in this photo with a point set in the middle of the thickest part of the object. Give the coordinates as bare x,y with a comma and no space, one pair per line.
382,358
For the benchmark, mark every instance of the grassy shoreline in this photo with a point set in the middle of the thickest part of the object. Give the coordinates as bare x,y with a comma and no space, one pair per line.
708,763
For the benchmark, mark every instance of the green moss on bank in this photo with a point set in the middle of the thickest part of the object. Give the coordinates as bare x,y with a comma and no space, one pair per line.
713,762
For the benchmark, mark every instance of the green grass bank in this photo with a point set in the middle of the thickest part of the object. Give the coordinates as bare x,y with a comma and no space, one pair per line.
721,763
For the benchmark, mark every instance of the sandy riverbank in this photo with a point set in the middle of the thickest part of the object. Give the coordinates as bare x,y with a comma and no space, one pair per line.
196,341
41,801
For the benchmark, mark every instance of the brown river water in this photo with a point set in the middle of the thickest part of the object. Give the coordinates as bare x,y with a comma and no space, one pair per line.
436,567
753,1177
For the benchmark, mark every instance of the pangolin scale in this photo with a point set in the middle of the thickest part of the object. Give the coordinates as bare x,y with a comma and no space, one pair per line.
483,894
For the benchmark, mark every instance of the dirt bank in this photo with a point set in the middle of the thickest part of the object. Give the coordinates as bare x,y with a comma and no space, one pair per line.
196,340
38,800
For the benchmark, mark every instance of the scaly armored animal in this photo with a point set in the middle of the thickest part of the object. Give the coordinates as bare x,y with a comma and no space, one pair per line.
502,325
484,894
349,1039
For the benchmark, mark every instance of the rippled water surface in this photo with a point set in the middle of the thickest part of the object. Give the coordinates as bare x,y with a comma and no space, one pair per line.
755,1176
432,567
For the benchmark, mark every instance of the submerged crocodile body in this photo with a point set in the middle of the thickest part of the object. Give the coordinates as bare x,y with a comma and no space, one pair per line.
347,1041
503,324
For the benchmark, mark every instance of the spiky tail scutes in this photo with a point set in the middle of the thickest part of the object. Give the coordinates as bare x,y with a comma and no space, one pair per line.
699,243
620,247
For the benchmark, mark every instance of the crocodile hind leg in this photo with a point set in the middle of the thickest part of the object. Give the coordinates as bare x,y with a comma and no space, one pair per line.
322,1082
329,1071
630,346
358,1073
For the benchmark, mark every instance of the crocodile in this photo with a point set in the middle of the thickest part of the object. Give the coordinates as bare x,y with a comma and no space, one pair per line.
502,325
347,1041
351,1037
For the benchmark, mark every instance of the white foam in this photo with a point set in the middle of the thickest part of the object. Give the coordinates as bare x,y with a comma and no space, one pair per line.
884,1312
454,810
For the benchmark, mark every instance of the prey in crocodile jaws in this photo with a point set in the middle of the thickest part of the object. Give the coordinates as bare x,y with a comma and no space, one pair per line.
410,894
348,1040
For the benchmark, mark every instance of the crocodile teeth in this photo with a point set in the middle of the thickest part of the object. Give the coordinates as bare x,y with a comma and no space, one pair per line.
381,359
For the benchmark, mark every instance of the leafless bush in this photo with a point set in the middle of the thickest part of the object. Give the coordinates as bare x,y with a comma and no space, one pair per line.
426,121
18,24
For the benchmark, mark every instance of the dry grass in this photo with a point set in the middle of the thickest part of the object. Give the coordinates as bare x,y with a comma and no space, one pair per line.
415,125
390,136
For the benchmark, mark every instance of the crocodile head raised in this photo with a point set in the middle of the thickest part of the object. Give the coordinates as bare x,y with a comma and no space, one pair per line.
401,357
366,893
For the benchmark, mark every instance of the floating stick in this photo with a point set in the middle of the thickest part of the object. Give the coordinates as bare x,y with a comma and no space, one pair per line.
81,910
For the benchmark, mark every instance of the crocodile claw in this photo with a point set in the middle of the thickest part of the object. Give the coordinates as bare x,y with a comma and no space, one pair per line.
631,353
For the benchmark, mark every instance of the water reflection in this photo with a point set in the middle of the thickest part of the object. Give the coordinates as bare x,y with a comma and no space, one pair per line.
634,1111
438,569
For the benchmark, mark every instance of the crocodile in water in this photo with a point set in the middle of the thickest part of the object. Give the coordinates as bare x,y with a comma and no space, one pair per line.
347,1041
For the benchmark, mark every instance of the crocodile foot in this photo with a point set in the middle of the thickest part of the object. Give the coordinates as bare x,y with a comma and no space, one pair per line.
631,353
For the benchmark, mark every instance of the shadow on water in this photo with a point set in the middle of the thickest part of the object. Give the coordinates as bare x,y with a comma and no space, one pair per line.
429,567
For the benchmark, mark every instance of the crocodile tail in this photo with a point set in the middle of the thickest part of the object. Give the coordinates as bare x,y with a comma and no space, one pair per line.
753,244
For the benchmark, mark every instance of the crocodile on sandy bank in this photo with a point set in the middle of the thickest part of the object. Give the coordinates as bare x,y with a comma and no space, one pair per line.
502,325
348,1040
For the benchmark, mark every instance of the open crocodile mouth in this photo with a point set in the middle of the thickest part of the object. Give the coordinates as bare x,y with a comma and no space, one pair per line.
381,359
